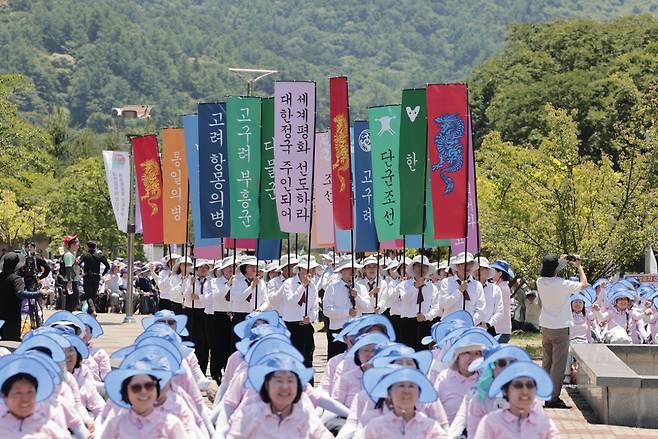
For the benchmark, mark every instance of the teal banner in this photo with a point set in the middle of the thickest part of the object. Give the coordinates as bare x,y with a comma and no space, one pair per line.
384,125
243,116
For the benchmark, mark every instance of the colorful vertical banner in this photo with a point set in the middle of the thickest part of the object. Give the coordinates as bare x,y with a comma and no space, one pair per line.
269,220
149,181
117,173
266,249
214,195
294,138
385,140
322,234
447,108
244,119
413,156
174,184
339,123
459,244
365,232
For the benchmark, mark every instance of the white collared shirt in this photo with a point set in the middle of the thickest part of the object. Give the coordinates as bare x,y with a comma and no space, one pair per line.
365,303
201,286
293,291
243,296
451,299
409,300
336,304
216,296
492,312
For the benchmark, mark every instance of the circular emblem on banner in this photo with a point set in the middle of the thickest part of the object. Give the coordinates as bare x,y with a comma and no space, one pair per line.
364,140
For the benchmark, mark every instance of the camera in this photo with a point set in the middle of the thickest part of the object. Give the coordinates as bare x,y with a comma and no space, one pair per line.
572,258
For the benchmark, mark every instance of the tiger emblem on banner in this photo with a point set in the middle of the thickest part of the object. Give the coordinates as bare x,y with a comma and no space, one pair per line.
449,147
151,182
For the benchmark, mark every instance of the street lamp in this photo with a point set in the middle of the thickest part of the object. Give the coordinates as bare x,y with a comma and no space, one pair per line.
248,74
138,112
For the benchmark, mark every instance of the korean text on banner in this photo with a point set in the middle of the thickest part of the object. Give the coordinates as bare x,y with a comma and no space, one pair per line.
385,140
243,114
269,220
191,133
294,138
323,220
117,172
174,183
447,108
339,123
365,233
459,244
413,156
149,181
213,172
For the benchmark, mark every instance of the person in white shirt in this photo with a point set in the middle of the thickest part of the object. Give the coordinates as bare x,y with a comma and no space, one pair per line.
284,270
390,294
162,281
419,303
243,288
218,317
177,281
492,312
556,317
339,303
299,307
194,300
371,302
461,291
502,276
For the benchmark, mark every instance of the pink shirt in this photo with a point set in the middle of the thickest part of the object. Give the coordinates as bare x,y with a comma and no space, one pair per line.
329,377
236,390
186,382
66,401
453,387
98,362
89,396
437,366
581,328
177,406
390,426
478,409
256,421
349,384
504,325
157,425
234,360
344,367
626,320
502,424
32,427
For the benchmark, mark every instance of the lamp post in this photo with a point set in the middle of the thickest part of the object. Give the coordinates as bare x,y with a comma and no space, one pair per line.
139,112
247,76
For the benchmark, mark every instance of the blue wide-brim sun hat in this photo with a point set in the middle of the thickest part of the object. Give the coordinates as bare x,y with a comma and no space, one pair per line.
374,375
91,322
243,329
271,343
116,377
427,392
523,369
454,320
393,349
163,343
164,331
173,365
497,352
66,318
502,265
452,334
165,314
478,338
423,359
50,365
23,364
622,293
347,326
590,293
580,296
78,344
277,362
372,320
257,333
375,338
54,343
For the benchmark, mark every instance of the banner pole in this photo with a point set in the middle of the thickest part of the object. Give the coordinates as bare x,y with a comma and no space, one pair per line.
352,299
257,280
466,223
377,283
131,233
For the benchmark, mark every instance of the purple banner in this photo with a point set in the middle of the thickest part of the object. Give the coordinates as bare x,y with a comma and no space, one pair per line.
294,142
458,245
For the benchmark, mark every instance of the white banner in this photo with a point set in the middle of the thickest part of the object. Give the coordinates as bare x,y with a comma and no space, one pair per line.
117,171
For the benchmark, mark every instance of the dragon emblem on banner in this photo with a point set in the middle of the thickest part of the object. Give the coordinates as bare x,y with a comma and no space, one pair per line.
151,184
342,163
448,145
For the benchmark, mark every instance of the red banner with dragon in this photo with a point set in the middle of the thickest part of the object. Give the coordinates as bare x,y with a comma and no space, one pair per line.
341,181
149,182
447,110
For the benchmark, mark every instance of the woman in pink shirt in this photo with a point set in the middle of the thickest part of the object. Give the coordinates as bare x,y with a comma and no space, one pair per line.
98,361
502,276
458,381
404,387
136,386
25,381
279,379
75,354
520,383
620,319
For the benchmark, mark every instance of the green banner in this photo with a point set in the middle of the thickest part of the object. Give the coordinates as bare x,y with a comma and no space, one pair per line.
413,156
269,219
243,116
384,125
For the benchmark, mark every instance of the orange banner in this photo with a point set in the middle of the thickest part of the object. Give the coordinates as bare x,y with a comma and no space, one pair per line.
174,179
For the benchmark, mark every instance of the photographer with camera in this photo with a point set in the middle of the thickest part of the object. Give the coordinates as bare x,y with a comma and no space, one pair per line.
556,316
33,272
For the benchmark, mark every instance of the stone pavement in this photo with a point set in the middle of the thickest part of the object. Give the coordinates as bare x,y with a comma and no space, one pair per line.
578,422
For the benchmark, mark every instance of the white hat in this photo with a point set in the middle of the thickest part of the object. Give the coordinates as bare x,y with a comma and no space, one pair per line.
181,260
482,262
418,259
346,262
370,260
261,265
392,264
169,257
462,258
284,261
406,261
248,260
443,265
328,256
201,262
305,263
224,263
274,265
